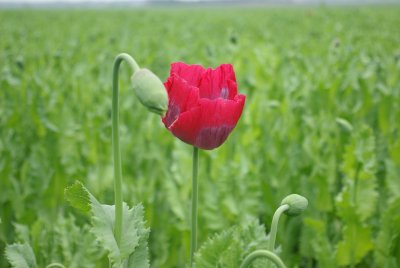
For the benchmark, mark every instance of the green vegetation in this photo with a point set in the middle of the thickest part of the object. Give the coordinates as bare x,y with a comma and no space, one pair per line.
322,119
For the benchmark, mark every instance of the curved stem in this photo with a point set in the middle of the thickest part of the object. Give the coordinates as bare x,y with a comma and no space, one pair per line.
262,253
193,241
115,142
274,226
55,264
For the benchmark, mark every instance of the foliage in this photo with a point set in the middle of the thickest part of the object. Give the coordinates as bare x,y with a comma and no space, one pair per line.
61,242
132,250
321,119
21,256
229,248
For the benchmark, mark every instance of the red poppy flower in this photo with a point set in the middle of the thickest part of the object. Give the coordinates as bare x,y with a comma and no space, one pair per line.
203,105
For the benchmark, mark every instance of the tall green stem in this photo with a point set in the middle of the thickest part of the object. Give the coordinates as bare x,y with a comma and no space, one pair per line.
193,241
262,253
115,142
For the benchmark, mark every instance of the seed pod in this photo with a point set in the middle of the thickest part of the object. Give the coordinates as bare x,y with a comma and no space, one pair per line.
297,204
150,91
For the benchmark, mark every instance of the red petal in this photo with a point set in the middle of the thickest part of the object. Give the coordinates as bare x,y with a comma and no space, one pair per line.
219,83
181,97
191,73
209,125
232,86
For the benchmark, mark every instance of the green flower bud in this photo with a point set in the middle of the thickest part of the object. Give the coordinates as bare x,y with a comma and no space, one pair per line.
150,91
297,204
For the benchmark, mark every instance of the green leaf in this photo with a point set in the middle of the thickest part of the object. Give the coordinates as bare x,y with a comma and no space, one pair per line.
356,243
21,256
229,248
132,230
133,247
344,123
357,201
387,253
62,241
211,252
359,194
321,248
392,179
78,196
140,257
21,233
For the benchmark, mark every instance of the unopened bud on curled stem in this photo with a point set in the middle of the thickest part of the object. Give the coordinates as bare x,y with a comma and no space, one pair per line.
150,91
297,204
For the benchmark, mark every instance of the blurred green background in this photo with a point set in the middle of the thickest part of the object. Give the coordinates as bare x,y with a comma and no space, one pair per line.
321,119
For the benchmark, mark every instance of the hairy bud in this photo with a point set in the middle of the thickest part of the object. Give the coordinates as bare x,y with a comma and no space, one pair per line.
297,204
150,91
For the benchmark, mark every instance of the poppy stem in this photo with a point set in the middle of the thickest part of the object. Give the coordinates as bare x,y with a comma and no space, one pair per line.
269,254
262,253
193,241
55,264
274,226
115,142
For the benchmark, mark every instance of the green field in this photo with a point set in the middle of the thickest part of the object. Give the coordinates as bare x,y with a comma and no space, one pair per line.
321,119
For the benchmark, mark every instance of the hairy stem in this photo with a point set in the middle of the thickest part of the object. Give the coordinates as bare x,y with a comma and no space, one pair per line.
262,254
274,226
115,142
193,241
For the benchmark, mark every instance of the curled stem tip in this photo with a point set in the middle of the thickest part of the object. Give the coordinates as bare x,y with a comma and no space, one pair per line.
152,94
115,141
262,254
274,225
55,264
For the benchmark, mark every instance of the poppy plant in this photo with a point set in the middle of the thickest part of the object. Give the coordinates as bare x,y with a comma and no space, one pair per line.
203,109
204,105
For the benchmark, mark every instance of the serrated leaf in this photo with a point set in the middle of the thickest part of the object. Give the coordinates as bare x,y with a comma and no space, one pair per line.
315,231
229,248
140,257
387,253
359,194
208,256
392,179
133,250
356,243
78,196
132,229
366,190
103,228
22,233
21,256
359,158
